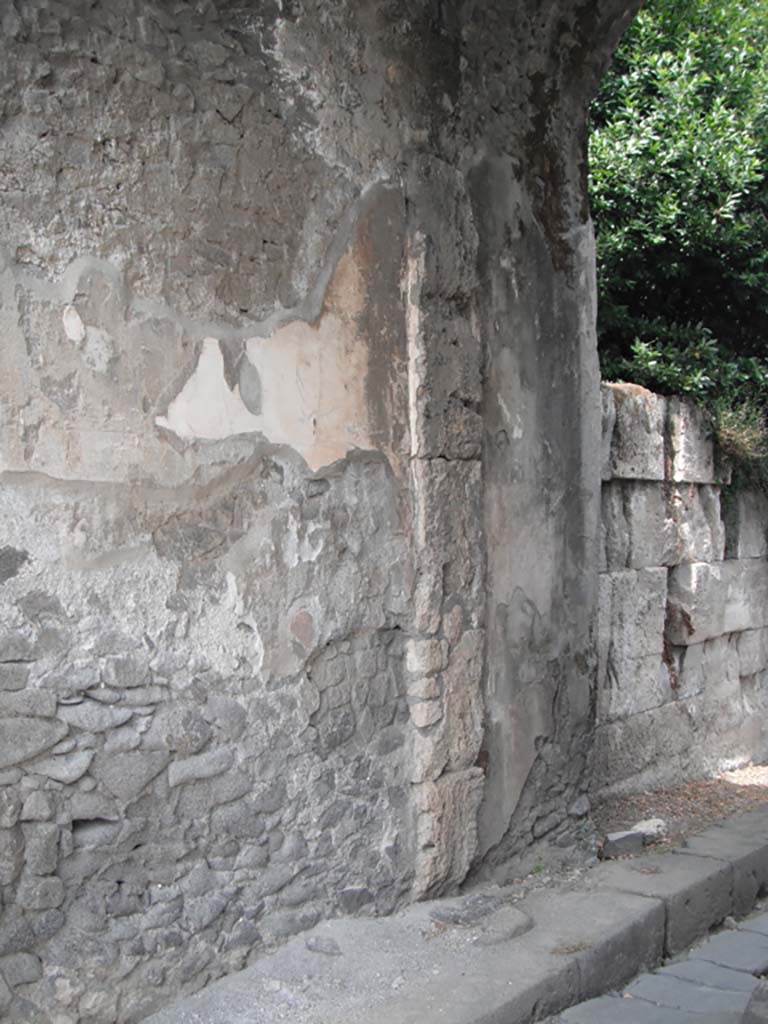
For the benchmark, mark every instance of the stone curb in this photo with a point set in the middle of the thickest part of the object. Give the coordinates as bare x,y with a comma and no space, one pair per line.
482,959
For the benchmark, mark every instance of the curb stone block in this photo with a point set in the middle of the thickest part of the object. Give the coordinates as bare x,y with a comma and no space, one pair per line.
697,892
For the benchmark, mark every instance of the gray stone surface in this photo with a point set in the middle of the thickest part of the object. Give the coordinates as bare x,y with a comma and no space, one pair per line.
744,849
704,972
618,844
637,446
757,1010
691,443
611,1010
741,951
697,892
746,525
679,994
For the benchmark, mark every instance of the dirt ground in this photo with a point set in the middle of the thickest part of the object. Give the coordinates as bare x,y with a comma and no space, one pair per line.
687,808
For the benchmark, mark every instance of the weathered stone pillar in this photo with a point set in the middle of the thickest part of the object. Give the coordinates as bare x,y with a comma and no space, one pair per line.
530,73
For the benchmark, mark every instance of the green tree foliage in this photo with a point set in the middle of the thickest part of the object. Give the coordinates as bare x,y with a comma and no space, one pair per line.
679,189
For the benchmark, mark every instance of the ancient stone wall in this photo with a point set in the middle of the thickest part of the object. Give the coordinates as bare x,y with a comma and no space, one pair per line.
298,386
683,614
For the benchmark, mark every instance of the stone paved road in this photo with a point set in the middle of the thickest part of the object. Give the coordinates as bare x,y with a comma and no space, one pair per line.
711,984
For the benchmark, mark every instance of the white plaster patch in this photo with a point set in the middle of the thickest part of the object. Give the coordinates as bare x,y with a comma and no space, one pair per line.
74,328
313,392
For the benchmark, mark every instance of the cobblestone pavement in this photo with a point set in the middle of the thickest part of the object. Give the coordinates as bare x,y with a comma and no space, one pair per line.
710,984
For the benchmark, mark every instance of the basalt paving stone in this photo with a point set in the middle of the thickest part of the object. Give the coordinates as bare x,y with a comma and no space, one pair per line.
740,950
617,1010
755,924
665,990
703,972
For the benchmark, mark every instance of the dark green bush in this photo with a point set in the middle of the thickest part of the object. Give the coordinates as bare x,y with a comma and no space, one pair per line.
679,190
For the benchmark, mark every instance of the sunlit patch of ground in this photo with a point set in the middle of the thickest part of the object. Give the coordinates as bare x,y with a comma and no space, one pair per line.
688,807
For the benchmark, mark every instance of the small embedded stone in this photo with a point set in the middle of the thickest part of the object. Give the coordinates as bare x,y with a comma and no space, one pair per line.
66,768
620,844
11,854
425,713
22,738
652,829
10,808
40,893
91,716
21,968
203,766
580,807
37,807
323,944
425,657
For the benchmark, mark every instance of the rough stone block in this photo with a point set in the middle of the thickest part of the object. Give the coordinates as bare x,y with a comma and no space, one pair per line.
627,686
35,703
446,829
752,649
202,766
691,440
711,668
11,854
693,530
22,738
637,444
21,968
645,746
633,524
707,600
127,775
631,611
746,525
42,848
40,893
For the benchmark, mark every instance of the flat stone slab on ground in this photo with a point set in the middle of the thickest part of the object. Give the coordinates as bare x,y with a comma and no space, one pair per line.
740,950
616,1010
755,924
666,990
703,972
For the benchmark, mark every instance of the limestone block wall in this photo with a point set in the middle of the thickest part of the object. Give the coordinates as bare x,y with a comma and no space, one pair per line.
683,607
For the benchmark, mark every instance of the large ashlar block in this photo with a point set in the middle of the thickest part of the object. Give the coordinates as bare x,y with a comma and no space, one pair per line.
637,441
633,524
628,686
691,442
746,525
711,668
631,612
707,600
752,649
644,747
694,530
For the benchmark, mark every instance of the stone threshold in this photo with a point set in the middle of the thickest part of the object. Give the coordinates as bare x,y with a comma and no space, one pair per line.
483,959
